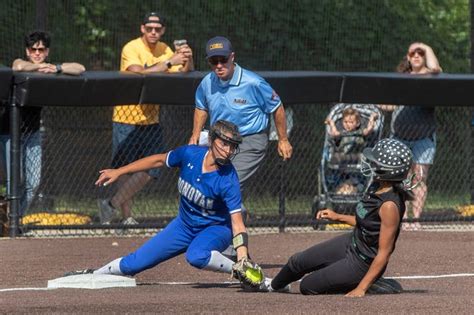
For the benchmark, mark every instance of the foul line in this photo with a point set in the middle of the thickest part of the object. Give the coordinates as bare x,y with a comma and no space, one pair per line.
454,275
25,289
434,276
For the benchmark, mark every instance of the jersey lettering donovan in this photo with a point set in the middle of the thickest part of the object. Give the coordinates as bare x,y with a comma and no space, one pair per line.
205,198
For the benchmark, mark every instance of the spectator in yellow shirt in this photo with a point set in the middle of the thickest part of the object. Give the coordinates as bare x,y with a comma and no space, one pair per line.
136,129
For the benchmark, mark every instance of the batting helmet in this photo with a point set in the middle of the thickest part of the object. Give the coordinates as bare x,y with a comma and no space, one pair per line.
388,160
229,133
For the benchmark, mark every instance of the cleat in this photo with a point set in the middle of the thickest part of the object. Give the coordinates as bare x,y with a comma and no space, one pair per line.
385,286
266,286
106,212
79,272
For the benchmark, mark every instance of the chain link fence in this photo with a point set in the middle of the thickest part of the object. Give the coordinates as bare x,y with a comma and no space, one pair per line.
77,143
322,35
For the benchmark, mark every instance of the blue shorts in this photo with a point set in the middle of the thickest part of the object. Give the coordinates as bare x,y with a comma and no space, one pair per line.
177,238
133,142
423,150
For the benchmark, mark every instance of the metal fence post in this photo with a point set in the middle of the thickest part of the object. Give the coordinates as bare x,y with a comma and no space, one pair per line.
471,7
282,197
472,156
14,192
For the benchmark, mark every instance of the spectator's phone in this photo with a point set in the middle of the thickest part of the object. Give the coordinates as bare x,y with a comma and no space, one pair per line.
179,42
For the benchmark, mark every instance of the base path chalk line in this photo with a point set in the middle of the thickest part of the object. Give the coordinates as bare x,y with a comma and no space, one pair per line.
454,275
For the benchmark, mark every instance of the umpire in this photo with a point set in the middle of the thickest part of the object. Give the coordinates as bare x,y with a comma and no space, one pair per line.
230,92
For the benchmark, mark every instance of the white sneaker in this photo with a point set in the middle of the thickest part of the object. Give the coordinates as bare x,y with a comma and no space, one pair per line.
129,221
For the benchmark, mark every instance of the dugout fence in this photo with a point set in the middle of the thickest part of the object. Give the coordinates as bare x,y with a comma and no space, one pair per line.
77,137
286,35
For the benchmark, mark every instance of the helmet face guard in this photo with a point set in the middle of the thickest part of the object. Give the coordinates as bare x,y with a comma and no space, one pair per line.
235,139
388,160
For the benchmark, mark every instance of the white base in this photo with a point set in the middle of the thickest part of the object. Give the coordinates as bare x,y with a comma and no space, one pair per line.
91,281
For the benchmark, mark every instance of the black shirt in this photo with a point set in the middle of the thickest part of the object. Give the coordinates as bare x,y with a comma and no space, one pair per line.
365,237
413,122
29,121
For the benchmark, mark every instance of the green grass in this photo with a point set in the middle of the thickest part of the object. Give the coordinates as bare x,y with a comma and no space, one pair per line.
261,205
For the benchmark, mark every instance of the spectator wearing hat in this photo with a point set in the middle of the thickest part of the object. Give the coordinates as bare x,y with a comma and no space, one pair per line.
37,50
240,96
136,129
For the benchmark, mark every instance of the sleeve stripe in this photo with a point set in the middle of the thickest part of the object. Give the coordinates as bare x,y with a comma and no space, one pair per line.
167,157
235,211
276,107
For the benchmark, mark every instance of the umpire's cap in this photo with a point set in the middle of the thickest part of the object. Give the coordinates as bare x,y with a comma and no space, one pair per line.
146,19
219,46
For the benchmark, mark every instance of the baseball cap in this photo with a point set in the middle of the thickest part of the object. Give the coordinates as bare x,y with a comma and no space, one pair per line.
218,46
147,17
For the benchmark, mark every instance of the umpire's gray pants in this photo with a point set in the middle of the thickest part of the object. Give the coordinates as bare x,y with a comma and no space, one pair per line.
252,152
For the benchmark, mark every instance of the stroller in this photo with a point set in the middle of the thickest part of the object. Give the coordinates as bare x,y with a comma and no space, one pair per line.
340,181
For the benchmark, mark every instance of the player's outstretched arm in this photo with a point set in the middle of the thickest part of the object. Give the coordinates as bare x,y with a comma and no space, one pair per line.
109,176
329,214
238,228
245,270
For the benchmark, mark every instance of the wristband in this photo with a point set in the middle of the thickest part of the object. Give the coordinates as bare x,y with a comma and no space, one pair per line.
241,239
59,69
169,64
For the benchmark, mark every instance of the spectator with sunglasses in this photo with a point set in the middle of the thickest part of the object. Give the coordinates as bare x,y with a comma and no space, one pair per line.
136,129
37,48
415,126
240,96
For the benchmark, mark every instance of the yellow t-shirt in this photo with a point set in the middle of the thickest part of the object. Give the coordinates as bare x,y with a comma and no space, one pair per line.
136,52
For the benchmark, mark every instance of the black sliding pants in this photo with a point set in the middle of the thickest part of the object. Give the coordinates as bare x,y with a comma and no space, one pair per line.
331,268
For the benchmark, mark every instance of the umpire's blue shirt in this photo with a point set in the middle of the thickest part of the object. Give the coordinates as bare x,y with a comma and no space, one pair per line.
245,100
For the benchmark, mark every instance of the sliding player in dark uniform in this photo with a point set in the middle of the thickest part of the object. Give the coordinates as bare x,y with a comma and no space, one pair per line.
353,263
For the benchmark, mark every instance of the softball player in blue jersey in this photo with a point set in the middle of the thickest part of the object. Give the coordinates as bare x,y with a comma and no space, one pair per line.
209,207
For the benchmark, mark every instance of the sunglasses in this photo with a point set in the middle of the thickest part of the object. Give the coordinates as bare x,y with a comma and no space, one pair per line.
214,61
149,29
40,50
418,51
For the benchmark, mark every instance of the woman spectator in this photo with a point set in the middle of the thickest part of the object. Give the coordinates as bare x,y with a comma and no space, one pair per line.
415,126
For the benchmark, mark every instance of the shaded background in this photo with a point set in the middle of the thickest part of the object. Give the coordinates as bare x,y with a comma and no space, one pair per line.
337,35
327,35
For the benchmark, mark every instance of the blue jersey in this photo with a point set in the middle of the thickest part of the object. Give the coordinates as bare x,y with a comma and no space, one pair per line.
245,100
205,198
